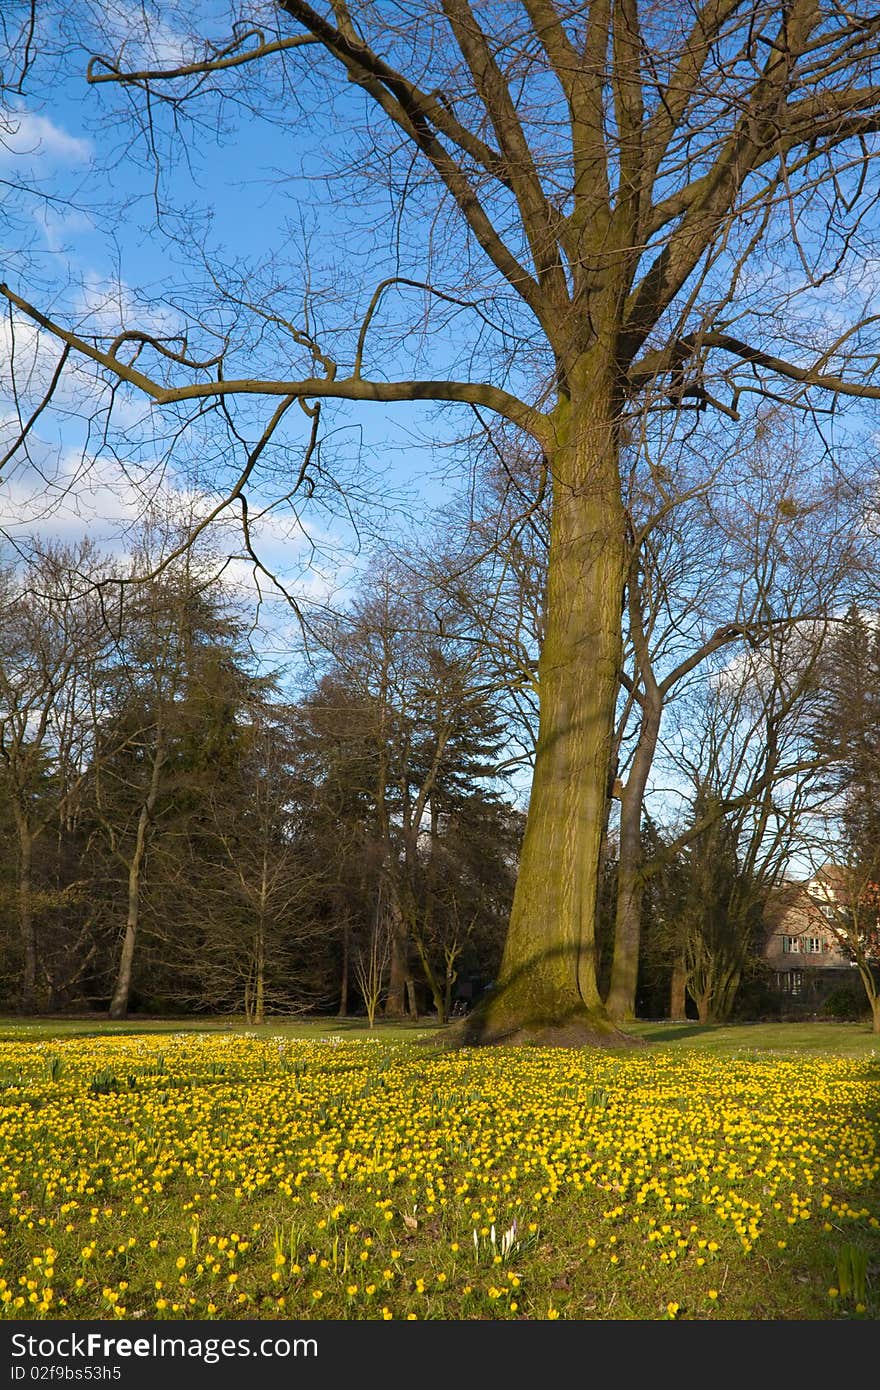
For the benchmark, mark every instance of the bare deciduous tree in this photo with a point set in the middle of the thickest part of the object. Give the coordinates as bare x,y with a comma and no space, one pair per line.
653,203
51,643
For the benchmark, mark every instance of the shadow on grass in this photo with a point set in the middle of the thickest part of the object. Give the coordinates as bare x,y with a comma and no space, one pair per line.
42,1028
666,1032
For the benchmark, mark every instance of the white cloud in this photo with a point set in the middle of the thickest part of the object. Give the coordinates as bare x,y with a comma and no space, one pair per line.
60,224
108,305
28,359
141,39
29,355
26,135
68,496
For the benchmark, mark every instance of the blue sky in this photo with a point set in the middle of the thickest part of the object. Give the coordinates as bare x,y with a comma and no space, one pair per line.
97,254
94,253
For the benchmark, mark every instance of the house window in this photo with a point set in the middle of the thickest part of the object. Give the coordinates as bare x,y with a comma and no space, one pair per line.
791,945
812,945
790,981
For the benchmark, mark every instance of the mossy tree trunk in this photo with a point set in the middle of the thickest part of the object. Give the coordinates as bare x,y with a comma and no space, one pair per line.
548,971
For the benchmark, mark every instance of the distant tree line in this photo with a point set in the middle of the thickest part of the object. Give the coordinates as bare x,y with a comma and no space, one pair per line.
181,832
183,828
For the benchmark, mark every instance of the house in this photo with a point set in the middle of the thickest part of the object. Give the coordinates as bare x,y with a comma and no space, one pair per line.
801,947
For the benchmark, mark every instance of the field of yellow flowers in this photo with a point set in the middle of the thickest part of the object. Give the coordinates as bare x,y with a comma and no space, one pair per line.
235,1176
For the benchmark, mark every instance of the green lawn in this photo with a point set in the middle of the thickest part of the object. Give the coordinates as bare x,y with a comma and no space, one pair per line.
14,1029
832,1039
782,1039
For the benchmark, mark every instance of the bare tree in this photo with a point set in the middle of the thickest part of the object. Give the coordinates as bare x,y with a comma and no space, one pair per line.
655,202
51,642
757,783
409,691
846,887
772,559
372,962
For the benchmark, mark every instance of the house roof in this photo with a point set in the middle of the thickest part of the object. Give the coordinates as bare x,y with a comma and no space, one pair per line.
783,899
832,876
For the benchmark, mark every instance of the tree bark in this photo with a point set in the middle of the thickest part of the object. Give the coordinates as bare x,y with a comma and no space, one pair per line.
678,990
867,977
400,998
548,972
122,989
395,999
343,980
621,1000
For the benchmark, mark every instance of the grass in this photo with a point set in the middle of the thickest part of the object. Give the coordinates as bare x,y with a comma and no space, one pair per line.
782,1039
98,1026
720,1039
316,1171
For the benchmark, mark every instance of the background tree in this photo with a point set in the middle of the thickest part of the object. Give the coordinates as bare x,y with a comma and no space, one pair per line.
846,840
176,676
848,892
51,640
757,784
757,562
405,726
245,934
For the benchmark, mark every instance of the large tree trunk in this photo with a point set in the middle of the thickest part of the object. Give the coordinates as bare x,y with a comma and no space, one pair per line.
548,979
678,990
398,970
621,1001
400,1000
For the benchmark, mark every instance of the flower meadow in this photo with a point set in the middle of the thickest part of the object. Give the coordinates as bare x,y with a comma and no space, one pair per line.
235,1176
